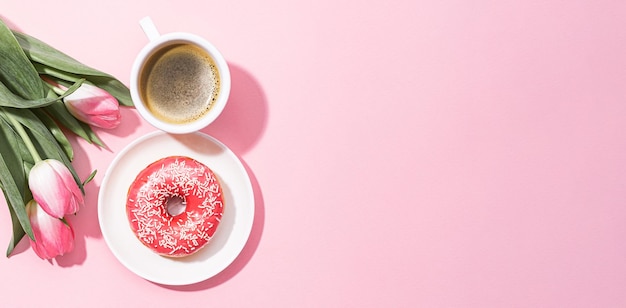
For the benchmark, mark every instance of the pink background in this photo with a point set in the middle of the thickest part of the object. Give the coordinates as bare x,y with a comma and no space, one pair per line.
403,153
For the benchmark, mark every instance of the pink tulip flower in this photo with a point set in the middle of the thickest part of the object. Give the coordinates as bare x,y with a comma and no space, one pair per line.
54,188
53,236
94,106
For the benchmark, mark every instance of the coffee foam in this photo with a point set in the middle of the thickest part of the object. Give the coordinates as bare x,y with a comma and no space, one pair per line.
180,83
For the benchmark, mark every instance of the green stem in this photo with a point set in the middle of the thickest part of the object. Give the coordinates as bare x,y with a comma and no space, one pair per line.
27,141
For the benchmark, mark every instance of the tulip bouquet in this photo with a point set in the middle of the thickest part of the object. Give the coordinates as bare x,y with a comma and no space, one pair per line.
45,94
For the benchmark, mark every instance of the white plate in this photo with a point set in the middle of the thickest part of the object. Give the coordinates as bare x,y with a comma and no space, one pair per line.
231,235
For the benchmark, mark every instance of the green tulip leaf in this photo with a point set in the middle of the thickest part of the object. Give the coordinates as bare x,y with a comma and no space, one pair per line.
13,180
63,116
90,177
57,63
20,153
93,138
16,71
115,88
56,131
8,99
40,52
66,119
14,152
18,231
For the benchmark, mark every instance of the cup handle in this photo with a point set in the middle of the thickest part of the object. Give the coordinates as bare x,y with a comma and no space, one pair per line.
149,28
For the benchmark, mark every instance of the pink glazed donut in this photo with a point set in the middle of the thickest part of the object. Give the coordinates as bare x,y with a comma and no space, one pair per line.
171,183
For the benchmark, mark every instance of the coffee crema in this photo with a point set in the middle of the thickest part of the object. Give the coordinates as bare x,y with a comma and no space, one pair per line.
179,83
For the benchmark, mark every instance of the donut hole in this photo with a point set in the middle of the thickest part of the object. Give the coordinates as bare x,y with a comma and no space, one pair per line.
175,205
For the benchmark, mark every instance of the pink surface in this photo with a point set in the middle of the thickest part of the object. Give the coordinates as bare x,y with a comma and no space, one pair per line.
403,154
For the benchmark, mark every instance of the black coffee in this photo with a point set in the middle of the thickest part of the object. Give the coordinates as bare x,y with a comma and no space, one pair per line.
179,83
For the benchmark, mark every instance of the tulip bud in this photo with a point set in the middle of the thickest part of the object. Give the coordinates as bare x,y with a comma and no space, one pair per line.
94,106
54,188
53,236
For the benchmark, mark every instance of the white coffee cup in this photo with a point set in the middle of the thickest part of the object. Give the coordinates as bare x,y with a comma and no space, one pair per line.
157,43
